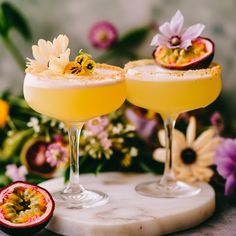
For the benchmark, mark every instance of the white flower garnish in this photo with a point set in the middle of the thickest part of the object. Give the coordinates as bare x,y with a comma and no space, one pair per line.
49,57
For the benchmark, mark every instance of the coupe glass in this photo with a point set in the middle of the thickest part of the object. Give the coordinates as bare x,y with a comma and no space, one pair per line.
74,100
170,93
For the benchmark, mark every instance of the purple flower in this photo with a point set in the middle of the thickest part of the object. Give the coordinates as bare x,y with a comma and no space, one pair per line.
16,173
55,154
103,35
217,121
225,159
173,35
144,126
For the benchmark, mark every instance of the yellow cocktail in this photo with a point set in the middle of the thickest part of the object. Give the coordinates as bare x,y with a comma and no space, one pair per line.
72,92
170,92
76,99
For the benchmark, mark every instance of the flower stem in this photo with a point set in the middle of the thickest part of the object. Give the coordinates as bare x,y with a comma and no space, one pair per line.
14,51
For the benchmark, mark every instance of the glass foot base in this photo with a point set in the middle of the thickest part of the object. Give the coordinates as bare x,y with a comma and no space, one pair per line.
84,199
176,189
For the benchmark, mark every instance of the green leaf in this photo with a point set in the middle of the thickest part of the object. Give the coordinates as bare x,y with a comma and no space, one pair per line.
12,18
4,180
132,39
98,169
33,178
3,24
67,175
13,143
146,168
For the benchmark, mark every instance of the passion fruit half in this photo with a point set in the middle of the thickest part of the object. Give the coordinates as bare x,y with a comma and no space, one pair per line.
197,56
25,208
33,157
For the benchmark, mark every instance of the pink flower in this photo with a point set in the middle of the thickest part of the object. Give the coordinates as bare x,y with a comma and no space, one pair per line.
144,126
103,35
56,153
97,125
173,35
217,121
104,140
225,159
16,173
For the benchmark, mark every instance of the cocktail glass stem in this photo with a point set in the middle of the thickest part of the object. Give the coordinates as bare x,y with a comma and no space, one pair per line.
74,187
75,195
167,186
168,177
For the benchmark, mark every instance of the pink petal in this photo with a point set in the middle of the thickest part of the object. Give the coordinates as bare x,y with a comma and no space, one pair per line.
230,185
185,44
192,32
159,40
225,167
176,23
165,29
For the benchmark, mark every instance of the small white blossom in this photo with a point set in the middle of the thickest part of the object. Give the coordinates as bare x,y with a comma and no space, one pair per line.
62,126
133,152
34,123
117,129
129,127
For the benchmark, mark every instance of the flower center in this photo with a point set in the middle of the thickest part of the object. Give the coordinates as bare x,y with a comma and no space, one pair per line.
188,156
175,41
103,37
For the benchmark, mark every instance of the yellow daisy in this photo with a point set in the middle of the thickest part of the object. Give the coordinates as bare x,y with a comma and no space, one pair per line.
49,57
4,113
191,156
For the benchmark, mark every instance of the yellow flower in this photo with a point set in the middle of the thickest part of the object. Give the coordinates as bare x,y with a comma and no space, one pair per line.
85,60
191,157
83,65
4,113
49,57
74,68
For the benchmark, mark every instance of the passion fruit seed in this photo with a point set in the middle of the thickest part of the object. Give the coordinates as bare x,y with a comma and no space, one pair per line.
23,205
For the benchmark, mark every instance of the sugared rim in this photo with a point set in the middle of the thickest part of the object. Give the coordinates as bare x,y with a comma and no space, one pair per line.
116,72
213,69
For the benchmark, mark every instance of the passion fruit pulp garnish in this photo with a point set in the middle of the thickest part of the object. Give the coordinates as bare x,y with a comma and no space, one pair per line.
24,208
198,56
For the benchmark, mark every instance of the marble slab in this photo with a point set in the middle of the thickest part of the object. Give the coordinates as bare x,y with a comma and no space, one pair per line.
128,213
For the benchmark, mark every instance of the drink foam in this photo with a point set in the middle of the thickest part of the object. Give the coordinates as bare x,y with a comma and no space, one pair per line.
148,70
100,76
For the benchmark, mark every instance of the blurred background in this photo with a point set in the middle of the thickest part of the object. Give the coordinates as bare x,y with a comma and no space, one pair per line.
130,131
47,19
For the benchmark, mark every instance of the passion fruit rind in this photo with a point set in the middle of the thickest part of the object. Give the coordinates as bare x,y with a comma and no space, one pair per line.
25,208
197,56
